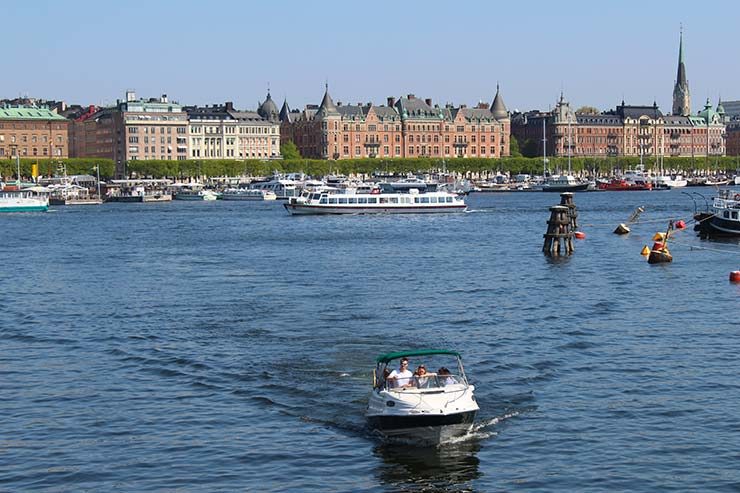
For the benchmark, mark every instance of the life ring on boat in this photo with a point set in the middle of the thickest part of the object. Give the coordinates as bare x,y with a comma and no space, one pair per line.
737,196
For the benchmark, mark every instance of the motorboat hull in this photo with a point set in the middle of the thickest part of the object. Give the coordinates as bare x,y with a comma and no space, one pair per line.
428,428
581,187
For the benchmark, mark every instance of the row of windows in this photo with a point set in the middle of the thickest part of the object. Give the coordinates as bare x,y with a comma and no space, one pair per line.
34,139
32,126
384,200
34,151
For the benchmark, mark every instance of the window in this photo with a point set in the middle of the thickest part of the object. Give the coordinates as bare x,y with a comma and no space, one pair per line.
372,200
342,200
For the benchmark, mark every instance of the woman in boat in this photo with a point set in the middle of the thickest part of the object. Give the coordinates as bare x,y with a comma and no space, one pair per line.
420,377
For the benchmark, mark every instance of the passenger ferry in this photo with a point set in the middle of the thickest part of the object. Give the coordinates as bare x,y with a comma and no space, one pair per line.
33,199
379,201
283,188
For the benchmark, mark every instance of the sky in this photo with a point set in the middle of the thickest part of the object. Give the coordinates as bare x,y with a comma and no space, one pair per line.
597,53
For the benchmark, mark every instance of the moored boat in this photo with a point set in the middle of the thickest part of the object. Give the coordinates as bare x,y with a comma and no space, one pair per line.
564,183
383,200
621,184
723,219
247,194
433,404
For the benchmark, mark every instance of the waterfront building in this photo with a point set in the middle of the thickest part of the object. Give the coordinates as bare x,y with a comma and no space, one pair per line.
407,127
627,130
33,131
154,128
221,132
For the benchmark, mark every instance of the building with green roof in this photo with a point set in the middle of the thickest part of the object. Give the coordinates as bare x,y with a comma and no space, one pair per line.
33,131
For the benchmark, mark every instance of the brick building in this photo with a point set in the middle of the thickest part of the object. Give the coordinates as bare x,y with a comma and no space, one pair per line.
32,131
133,129
405,128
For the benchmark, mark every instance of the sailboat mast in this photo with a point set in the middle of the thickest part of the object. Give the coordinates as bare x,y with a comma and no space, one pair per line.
570,138
18,165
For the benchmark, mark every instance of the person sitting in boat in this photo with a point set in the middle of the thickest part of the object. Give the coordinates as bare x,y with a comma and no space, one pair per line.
445,378
421,379
401,377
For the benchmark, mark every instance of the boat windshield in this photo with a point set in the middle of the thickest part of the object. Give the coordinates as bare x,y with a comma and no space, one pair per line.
423,372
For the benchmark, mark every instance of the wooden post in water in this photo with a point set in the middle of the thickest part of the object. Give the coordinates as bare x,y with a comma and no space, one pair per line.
559,237
566,200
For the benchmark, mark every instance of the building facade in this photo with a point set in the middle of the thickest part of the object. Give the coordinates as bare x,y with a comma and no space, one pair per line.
221,132
33,132
409,127
133,129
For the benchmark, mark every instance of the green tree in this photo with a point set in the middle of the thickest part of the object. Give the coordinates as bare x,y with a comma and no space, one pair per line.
289,150
514,147
529,149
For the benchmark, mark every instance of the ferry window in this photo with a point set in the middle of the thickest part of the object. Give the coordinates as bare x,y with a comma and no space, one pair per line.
383,200
734,214
362,200
342,200
323,200
416,200
727,214
352,200
394,200
332,200
433,200
424,200
449,200
372,200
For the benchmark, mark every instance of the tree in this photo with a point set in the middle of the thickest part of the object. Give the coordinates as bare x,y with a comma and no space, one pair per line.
514,147
289,150
588,110
530,149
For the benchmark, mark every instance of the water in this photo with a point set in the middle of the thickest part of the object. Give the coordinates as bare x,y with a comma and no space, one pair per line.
229,347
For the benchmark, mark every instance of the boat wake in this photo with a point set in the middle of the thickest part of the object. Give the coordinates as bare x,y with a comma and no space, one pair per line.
481,430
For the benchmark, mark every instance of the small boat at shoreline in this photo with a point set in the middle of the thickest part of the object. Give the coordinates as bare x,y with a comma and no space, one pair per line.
431,407
621,185
383,200
32,199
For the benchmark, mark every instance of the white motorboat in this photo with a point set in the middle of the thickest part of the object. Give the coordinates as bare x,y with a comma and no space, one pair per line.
283,188
383,200
434,406
247,194
191,194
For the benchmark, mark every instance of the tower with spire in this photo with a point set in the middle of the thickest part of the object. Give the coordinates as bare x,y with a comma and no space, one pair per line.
681,98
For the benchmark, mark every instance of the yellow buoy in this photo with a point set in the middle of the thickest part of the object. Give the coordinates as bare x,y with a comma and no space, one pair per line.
659,236
645,251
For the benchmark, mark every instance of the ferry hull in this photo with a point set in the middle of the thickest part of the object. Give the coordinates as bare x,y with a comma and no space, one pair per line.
25,208
305,209
581,187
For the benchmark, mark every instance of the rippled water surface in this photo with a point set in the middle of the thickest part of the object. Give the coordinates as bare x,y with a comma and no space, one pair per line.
229,347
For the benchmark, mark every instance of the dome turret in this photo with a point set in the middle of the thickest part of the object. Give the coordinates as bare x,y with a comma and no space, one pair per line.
268,109
498,108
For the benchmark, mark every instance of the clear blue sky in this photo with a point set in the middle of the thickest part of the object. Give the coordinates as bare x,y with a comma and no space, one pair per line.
597,52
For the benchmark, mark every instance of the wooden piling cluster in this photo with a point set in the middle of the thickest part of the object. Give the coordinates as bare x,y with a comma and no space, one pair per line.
566,200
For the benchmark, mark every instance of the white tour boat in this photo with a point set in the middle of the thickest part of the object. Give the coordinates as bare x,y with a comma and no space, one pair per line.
378,201
247,194
195,194
433,406
33,199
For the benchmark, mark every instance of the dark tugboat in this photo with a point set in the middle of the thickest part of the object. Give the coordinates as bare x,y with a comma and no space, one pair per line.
723,218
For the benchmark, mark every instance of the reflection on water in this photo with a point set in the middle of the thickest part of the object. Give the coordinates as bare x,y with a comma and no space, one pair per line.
428,469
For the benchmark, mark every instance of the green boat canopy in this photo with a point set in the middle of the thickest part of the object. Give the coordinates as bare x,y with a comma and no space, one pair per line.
385,358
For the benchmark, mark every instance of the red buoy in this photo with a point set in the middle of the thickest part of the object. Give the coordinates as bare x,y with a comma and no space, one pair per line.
735,276
658,245
680,224
580,235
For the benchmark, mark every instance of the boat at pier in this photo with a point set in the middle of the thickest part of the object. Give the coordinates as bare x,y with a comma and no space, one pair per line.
564,183
723,218
430,406
382,200
247,194
194,192
139,191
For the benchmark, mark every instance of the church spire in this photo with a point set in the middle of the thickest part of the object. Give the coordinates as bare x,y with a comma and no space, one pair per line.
681,97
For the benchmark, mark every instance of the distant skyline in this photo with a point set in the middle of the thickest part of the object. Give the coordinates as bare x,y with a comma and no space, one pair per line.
597,53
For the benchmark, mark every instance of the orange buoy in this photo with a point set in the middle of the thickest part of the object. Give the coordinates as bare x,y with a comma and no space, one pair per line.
580,235
645,251
735,276
680,224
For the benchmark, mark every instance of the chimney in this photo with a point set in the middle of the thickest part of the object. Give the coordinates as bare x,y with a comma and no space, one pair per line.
163,99
130,95
463,106
391,101
229,106
410,96
428,101
339,103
